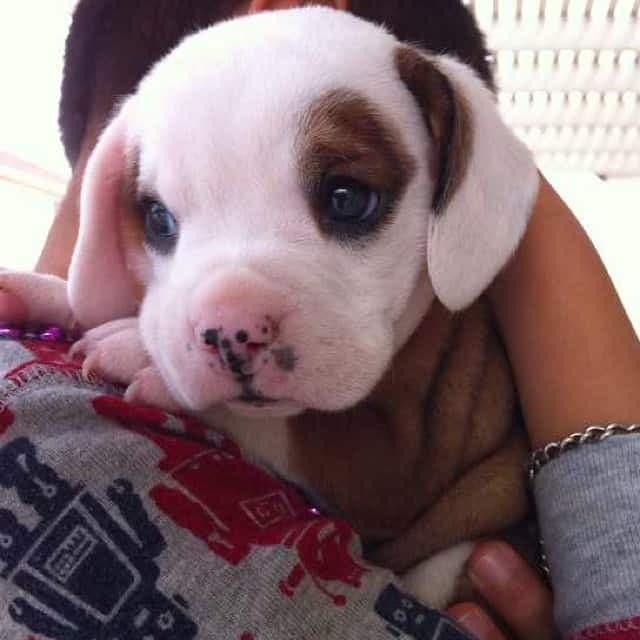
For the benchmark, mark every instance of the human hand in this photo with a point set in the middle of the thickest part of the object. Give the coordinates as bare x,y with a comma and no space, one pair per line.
12,309
513,590
33,297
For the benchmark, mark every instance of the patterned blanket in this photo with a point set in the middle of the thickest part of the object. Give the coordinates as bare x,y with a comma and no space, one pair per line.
122,522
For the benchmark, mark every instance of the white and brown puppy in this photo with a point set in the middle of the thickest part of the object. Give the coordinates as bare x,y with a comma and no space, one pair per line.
268,219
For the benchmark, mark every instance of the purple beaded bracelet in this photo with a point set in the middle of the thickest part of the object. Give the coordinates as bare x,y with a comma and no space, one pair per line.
45,333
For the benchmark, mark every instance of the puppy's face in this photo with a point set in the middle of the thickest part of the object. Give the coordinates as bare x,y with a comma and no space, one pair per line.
282,174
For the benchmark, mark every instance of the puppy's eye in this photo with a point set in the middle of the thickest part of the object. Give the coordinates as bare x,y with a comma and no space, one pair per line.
160,226
346,200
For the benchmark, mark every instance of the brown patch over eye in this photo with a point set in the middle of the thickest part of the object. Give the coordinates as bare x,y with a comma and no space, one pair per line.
352,164
447,118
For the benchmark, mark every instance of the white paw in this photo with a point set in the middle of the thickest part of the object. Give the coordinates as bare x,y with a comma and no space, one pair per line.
43,295
434,581
113,351
149,388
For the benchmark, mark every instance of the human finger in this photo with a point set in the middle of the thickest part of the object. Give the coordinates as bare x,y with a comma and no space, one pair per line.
12,309
513,589
474,619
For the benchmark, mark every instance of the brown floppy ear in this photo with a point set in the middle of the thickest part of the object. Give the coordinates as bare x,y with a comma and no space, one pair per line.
446,118
101,283
484,179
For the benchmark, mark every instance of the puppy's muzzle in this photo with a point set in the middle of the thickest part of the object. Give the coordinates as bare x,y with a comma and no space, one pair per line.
240,338
238,319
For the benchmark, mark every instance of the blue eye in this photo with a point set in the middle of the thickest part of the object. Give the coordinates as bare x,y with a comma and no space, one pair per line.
160,226
348,201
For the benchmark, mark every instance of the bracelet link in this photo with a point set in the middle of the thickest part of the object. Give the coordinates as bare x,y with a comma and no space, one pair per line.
592,434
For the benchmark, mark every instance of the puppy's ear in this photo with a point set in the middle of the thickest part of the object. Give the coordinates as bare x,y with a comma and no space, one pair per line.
101,285
485,180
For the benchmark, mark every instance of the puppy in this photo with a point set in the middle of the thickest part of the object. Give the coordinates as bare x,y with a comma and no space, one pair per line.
262,264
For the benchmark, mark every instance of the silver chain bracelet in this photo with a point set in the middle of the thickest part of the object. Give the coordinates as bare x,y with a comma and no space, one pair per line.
593,434
540,457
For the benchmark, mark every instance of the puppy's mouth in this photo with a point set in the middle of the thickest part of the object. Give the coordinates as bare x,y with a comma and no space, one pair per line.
261,407
254,400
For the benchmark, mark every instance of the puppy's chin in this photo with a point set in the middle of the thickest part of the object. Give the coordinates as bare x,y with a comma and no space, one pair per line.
272,409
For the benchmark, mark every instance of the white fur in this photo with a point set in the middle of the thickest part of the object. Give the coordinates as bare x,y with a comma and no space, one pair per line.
216,124
233,96
100,284
488,213
435,580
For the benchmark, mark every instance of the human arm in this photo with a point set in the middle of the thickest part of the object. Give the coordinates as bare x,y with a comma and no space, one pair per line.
576,360
58,247
574,353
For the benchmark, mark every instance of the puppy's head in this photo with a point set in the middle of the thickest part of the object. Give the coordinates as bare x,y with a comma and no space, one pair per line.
282,199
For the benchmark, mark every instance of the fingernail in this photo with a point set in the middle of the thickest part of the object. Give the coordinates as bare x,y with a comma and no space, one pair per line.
475,622
494,567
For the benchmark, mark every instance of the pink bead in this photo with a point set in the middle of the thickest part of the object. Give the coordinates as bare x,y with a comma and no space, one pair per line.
52,333
44,333
10,332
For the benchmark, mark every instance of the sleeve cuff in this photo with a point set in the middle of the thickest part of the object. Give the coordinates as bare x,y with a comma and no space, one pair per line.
588,505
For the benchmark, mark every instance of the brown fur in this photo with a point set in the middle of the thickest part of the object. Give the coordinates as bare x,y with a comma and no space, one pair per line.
447,118
343,134
436,454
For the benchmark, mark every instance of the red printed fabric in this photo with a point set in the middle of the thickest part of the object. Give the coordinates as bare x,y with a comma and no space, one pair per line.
245,507
628,629
119,521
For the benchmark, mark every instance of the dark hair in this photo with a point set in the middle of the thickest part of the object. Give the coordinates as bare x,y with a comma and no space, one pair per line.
112,44
442,26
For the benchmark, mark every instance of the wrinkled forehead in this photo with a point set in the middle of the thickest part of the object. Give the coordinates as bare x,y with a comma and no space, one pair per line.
251,89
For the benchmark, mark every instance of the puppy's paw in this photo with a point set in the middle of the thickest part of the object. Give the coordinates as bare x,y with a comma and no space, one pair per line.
435,580
34,297
149,388
113,351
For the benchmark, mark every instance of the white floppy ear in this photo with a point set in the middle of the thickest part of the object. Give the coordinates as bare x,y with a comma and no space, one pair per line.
101,285
485,179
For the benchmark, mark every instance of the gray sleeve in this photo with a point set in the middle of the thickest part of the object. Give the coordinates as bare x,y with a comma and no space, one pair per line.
588,503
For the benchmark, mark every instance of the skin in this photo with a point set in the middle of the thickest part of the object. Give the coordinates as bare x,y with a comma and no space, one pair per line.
513,590
11,308
576,359
575,356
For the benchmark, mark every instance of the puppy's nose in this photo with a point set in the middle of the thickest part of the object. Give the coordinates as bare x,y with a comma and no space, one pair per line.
240,339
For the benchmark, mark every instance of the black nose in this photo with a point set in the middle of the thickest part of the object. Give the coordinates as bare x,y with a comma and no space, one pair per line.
211,337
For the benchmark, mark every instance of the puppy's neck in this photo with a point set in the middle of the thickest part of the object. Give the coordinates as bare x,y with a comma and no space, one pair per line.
333,457
263,440
268,441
